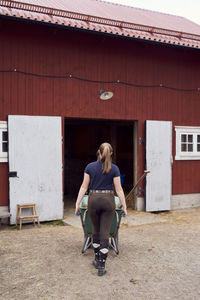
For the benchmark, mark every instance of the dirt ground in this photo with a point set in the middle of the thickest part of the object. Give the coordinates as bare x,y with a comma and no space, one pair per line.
157,260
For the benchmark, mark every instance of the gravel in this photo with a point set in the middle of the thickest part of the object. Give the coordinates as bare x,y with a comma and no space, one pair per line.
158,260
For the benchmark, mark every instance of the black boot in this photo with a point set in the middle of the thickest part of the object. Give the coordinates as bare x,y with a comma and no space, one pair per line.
102,261
96,246
96,260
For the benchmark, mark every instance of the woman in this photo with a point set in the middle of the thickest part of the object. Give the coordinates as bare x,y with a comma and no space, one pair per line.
101,176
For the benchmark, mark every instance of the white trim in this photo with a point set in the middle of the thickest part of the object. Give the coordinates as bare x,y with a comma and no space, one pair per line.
3,155
181,201
194,131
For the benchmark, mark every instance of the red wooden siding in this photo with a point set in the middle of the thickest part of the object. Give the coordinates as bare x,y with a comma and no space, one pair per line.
3,184
48,50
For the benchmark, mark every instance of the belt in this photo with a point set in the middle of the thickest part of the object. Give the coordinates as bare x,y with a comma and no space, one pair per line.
102,191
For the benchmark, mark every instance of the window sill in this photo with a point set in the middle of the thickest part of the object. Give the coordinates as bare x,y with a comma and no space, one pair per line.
187,157
3,159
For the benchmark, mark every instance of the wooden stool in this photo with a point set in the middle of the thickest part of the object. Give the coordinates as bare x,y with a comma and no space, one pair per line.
21,218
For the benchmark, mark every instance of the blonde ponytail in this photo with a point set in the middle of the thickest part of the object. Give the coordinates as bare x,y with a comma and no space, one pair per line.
105,151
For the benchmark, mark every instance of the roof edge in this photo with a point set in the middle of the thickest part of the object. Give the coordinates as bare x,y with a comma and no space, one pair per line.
99,20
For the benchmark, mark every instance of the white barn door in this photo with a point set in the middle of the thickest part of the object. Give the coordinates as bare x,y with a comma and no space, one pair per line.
159,162
35,165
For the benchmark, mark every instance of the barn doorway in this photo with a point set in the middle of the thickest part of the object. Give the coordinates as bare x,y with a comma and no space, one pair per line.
82,138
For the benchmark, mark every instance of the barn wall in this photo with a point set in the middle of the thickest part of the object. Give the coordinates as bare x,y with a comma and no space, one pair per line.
3,184
44,49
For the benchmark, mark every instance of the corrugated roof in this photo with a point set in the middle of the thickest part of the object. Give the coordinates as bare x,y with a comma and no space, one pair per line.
108,18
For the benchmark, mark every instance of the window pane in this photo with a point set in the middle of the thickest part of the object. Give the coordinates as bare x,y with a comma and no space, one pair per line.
5,136
198,138
183,147
183,138
190,138
190,147
198,147
5,147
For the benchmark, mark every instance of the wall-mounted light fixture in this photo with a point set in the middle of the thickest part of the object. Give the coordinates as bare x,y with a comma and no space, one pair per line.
105,95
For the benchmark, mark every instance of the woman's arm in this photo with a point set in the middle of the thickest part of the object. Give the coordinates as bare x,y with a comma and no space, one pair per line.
120,193
82,191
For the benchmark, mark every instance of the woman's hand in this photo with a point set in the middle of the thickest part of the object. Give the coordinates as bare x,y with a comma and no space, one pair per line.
77,209
82,191
124,210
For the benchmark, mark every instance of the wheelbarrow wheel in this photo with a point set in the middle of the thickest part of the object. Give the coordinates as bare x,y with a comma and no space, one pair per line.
87,244
114,243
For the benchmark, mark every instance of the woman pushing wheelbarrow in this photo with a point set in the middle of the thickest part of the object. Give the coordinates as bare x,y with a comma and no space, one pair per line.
101,177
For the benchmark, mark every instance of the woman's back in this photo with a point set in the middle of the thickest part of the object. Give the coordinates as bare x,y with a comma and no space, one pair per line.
100,180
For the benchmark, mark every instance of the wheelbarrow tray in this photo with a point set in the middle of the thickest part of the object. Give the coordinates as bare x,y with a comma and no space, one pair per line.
87,225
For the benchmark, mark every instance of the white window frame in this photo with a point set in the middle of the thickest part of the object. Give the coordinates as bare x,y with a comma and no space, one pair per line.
3,155
180,155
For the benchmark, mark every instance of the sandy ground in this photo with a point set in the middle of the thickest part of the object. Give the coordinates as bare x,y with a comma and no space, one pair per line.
159,259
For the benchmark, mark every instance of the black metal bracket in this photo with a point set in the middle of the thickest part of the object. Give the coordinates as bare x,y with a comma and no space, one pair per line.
140,190
13,174
141,140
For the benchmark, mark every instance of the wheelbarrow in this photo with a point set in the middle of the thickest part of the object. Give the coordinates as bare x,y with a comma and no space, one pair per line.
87,225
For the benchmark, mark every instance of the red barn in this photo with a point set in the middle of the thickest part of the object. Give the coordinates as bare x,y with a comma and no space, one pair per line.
57,59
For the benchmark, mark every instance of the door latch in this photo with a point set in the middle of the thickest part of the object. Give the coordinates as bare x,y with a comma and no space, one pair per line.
13,174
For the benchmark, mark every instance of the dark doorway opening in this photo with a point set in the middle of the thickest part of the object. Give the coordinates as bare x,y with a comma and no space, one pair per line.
83,137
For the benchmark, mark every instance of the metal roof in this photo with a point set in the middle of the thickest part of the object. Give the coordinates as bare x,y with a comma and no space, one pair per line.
105,17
